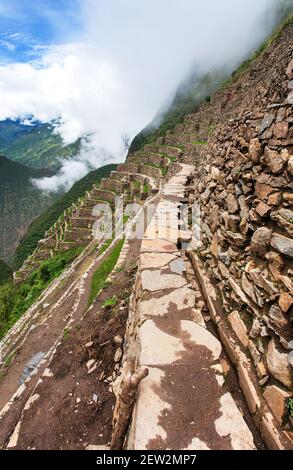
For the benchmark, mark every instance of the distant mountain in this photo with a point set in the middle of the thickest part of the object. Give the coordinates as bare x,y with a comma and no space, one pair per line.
34,145
5,272
38,228
20,203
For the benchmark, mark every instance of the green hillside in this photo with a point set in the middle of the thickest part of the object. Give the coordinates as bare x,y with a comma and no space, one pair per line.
20,203
36,146
5,272
188,96
38,228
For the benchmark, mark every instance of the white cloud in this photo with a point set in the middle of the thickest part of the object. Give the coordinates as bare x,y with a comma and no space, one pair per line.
113,82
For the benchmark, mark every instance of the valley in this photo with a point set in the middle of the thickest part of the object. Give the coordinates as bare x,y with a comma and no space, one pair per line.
174,332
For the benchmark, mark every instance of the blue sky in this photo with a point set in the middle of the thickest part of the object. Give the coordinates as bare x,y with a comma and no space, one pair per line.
27,24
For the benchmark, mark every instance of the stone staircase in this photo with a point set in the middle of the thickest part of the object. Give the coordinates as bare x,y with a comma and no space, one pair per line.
135,180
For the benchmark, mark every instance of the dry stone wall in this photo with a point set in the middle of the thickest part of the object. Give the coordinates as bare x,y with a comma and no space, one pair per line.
243,183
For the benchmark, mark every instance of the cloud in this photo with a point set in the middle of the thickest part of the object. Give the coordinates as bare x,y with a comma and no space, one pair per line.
129,61
9,45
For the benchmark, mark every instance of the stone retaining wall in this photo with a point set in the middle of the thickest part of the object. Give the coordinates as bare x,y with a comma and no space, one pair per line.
244,186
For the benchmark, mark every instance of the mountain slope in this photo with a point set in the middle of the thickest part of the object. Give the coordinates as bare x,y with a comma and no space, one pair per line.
199,87
5,272
38,228
20,203
34,145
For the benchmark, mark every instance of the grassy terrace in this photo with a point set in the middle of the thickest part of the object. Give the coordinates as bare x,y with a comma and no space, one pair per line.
16,300
200,142
105,269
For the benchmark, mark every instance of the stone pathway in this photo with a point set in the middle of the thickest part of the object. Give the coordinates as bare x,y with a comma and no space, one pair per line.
184,403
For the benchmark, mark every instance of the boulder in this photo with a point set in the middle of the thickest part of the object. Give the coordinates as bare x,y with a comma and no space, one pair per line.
278,364
277,401
285,302
263,209
232,204
262,190
283,245
255,150
284,218
275,199
266,122
260,242
275,161
277,317
281,130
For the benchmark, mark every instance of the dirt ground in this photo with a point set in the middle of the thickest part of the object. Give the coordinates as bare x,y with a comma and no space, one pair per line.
75,408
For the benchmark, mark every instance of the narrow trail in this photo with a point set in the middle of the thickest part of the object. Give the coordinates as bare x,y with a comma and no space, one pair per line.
191,399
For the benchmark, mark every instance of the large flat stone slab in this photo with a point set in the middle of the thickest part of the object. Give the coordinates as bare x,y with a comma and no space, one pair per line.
169,413
156,260
160,348
181,299
232,424
158,246
157,280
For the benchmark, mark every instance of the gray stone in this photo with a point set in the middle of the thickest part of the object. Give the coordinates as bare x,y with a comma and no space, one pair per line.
266,122
282,244
32,364
277,316
158,280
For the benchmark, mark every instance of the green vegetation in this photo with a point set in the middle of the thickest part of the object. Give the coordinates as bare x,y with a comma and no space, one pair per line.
200,142
38,228
136,184
189,96
267,43
104,270
20,203
197,89
5,272
35,146
16,300
110,303
125,219
146,188
105,246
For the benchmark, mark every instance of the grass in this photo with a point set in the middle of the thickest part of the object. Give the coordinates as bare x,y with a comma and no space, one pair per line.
16,300
200,142
104,270
37,229
136,184
146,188
110,303
125,219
